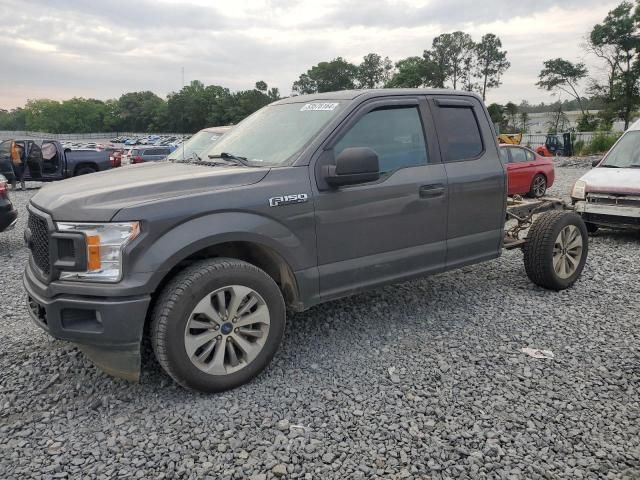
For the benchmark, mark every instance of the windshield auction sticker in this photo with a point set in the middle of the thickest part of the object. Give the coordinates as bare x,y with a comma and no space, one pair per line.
318,107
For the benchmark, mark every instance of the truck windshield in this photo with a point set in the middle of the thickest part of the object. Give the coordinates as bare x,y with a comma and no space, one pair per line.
197,144
273,134
625,153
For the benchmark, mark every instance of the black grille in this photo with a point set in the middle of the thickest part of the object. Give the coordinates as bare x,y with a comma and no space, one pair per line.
39,243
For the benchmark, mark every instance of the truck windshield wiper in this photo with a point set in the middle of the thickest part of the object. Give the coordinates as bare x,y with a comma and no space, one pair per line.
234,158
609,166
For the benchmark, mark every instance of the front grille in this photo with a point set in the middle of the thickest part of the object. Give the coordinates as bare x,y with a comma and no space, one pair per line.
39,243
617,200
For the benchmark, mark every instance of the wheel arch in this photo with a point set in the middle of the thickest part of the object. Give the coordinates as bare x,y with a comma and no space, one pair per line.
251,251
256,239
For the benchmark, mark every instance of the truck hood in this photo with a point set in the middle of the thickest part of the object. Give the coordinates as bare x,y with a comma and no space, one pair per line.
97,197
613,180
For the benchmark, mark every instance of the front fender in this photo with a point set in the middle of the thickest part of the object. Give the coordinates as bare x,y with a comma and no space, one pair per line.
158,256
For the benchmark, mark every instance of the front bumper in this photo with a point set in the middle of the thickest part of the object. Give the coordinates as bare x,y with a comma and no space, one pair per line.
107,329
620,216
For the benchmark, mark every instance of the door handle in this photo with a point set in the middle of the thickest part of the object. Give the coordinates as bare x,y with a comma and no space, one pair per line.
431,191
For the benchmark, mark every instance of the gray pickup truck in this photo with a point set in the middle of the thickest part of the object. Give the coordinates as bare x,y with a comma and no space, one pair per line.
310,199
47,160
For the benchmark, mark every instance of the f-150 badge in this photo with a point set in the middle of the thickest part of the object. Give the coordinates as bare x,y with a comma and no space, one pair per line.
288,199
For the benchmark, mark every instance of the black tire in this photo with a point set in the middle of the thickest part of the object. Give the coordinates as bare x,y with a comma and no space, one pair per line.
175,304
84,170
539,249
591,227
538,186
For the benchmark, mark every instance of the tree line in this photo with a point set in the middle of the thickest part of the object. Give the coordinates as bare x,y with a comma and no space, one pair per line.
615,42
453,60
194,107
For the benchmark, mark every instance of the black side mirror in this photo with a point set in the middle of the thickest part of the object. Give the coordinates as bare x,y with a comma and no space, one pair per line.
596,162
354,165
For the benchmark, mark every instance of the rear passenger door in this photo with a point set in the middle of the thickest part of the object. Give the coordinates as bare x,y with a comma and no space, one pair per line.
393,228
476,180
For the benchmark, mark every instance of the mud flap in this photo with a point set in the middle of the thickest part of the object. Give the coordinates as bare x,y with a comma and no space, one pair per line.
121,362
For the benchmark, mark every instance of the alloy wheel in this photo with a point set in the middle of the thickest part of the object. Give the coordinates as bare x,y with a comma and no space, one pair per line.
227,330
567,251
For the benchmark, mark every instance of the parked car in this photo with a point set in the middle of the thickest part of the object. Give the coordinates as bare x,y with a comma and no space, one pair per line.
311,198
8,214
198,143
527,172
609,194
48,161
149,154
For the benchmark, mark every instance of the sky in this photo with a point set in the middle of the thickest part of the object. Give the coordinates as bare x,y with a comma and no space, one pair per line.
61,49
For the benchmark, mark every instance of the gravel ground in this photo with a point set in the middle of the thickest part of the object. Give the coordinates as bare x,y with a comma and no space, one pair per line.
424,379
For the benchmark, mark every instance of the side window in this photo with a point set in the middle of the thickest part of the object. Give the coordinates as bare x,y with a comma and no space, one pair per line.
395,134
462,133
504,155
530,156
518,155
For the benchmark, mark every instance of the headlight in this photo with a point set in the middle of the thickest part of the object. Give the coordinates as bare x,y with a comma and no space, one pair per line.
579,190
105,243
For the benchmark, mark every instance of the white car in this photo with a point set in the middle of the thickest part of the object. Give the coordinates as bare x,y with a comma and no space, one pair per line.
609,194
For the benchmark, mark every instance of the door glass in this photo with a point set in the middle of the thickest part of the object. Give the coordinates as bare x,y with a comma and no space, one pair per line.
504,155
530,156
462,133
395,134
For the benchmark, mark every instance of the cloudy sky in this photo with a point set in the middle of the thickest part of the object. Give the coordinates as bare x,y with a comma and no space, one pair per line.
64,48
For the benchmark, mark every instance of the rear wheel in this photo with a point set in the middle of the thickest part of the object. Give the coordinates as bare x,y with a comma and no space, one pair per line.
217,324
556,250
538,186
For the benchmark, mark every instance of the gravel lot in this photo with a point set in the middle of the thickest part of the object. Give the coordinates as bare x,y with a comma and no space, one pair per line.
420,380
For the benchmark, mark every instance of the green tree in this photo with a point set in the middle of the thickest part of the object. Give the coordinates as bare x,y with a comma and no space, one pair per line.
452,56
560,75
511,109
261,86
491,62
616,41
496,112
138,110
338,74
374,71
411,72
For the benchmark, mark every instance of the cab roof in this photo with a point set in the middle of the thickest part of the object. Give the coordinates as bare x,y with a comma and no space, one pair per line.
372,93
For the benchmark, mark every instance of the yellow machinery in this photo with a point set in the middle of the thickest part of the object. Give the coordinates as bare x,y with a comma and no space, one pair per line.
510,138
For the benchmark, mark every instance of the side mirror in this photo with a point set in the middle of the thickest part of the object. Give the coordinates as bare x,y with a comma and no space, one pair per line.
354,165
596,162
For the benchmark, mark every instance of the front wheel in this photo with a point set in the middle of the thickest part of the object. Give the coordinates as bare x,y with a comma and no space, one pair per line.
217,324
556,250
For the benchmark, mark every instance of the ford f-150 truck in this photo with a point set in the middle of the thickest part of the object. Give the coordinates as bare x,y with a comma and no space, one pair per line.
47,160
309,199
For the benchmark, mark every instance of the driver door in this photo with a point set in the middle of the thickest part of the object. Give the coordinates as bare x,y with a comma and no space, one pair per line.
395,227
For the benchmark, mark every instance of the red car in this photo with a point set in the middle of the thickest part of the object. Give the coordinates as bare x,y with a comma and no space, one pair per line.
528,173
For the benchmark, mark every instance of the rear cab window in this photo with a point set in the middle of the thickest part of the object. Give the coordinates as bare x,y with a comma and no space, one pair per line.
459,131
